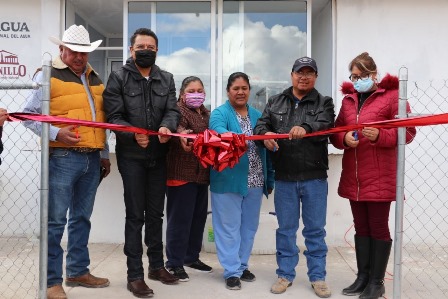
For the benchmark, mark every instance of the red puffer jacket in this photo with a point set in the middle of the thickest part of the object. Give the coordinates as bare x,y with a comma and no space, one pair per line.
369,170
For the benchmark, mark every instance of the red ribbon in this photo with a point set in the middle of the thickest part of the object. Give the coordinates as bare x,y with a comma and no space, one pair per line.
224,150
415,121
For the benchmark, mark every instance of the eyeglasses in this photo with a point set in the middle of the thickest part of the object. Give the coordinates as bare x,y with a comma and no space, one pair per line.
307,75
355,78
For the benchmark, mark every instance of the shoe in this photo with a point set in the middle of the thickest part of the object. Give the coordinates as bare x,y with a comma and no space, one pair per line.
163,276
87,280
180,273
248,276
280,285
200,266
233,283
140,289
321,289
56,292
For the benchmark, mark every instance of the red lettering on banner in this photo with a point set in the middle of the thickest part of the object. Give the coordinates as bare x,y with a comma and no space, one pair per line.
10,66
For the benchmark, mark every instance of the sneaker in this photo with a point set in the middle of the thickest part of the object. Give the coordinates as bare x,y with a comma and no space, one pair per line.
280,285
248,276
233,283
180,273
321,289
200,266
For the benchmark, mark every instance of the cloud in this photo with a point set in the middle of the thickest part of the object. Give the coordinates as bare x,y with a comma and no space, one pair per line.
265,54
188,61
269,53
180,23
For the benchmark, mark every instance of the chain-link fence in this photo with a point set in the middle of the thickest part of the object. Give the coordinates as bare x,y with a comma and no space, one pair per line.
425,223
19,199
425,238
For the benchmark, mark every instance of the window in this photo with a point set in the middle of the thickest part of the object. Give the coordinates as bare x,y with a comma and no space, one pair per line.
263,39
184,33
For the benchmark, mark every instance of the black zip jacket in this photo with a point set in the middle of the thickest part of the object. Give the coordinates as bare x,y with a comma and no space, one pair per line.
298,159
131,100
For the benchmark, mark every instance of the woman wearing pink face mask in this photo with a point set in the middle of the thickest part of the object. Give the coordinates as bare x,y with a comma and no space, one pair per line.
187,185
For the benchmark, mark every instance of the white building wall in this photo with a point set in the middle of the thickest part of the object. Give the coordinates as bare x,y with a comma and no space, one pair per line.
109,212
108,217
42,19
395,33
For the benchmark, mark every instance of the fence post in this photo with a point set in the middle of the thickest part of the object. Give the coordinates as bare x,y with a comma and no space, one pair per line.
43,246
399,208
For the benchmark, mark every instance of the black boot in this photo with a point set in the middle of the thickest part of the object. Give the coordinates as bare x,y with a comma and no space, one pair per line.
380,251
362,249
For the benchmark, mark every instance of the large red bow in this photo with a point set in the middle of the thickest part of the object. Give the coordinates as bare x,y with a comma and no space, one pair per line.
219,150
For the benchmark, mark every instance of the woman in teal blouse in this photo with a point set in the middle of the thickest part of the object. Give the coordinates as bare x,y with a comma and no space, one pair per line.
236,192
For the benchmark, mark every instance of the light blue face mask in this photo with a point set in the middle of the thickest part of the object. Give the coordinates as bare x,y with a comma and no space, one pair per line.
363,85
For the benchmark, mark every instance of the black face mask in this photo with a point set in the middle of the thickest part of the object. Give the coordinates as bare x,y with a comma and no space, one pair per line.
145,58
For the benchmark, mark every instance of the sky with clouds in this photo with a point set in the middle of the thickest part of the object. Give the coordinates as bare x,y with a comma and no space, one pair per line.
265,53
263,45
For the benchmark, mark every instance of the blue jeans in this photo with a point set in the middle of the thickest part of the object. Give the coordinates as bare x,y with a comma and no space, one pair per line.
313,196
235,221
73,181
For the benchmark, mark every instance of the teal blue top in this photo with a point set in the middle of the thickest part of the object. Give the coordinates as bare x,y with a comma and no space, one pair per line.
234,180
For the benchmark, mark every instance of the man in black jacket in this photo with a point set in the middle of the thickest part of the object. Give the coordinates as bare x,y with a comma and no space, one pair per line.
140,94
301,166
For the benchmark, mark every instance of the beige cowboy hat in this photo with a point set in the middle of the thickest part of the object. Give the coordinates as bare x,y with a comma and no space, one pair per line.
77,39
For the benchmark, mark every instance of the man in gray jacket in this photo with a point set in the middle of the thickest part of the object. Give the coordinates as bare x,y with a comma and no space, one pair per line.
300,173
140,94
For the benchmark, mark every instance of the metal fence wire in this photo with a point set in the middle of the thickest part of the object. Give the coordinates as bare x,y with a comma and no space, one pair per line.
425,237
19,200
425,223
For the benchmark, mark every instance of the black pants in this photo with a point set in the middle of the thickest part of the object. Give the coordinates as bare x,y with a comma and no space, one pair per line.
144,185
186,211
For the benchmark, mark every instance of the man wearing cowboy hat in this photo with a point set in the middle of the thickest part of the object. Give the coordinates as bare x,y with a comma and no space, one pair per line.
76,156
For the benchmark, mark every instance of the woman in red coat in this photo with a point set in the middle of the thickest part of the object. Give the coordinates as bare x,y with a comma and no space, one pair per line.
369,163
